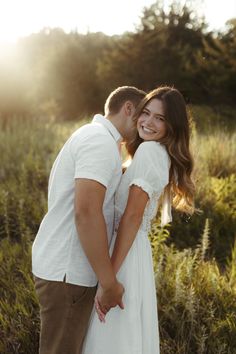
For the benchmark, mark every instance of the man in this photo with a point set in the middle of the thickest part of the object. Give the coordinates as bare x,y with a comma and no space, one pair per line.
71,250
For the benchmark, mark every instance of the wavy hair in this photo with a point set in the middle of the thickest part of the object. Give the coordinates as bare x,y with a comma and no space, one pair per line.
176,140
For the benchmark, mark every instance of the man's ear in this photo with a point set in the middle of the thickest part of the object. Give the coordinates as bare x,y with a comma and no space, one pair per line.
129,108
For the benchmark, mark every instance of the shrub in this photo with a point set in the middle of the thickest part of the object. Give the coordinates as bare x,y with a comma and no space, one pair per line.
19,319
196,302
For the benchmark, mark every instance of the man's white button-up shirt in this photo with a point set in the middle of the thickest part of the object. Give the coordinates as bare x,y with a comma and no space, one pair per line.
91,152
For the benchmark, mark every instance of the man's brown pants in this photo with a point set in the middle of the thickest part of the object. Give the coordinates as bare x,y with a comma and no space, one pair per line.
64,312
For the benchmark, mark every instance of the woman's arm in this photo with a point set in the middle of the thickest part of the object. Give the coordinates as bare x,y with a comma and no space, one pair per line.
129,225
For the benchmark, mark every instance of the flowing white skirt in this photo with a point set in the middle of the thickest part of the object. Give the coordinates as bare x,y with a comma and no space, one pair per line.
133,330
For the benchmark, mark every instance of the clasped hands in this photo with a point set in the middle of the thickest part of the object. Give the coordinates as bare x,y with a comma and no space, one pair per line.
105,299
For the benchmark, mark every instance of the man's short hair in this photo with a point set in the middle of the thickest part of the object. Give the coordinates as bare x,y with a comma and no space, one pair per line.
119,96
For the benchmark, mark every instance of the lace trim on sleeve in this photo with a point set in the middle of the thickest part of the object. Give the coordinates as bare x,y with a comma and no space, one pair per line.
144,185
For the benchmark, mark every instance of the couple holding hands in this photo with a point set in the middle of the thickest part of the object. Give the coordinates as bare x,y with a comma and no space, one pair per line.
92,258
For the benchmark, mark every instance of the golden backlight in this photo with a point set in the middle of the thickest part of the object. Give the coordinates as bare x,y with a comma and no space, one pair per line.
22,17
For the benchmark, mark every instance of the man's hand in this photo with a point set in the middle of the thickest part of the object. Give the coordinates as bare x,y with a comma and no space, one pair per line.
107,298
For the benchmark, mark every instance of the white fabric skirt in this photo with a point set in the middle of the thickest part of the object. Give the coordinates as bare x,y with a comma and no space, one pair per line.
133,330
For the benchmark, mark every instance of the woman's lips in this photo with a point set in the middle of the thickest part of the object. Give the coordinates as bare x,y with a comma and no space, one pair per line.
147,130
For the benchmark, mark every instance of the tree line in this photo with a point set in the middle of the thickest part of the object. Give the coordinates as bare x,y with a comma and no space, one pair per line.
68,76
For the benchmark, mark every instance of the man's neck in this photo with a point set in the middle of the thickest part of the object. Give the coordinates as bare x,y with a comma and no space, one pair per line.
116,120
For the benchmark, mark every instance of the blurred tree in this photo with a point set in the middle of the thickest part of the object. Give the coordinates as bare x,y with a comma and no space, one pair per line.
74,75
14,84
62,70
68,76
161,51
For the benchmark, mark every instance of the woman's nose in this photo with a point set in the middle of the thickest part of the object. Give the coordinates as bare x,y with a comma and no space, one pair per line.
149,119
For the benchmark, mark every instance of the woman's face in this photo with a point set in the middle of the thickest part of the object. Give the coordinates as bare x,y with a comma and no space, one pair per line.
151,123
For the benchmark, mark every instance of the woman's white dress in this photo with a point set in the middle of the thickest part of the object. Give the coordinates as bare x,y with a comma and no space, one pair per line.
134,330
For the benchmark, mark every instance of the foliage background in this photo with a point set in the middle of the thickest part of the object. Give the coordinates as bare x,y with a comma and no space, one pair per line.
67,76
55,78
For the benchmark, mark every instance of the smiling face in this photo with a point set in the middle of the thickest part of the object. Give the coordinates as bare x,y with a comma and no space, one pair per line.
151,123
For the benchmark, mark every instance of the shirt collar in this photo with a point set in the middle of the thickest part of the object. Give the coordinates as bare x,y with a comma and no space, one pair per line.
98,118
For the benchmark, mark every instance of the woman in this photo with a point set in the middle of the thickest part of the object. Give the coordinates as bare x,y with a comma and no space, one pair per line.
161,167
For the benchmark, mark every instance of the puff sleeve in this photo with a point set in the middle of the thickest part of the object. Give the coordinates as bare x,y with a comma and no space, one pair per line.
150,168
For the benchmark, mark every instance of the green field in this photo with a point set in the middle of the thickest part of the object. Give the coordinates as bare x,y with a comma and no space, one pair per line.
194,259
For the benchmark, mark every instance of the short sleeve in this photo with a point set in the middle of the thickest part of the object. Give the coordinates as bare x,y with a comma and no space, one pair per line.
95,158
150,168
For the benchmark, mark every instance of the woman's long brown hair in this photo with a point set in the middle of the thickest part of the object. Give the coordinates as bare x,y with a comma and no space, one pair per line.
177,144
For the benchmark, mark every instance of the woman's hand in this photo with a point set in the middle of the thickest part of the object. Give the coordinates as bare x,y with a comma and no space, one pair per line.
100,314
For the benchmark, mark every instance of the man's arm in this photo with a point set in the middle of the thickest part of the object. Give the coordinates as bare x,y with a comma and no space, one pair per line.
91,226
129,225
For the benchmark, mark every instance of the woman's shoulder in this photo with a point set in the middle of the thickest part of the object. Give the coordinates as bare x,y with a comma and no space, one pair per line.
151,148
152,153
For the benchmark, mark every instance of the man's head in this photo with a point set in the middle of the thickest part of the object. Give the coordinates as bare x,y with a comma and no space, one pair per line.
120,107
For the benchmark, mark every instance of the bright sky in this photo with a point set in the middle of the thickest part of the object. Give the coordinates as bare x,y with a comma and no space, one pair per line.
22,17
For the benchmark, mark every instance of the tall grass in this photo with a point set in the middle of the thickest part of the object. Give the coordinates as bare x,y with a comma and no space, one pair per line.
215,174
194,261
28,148
196,302
215,153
